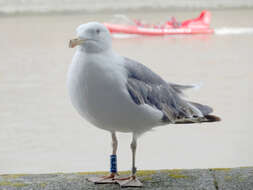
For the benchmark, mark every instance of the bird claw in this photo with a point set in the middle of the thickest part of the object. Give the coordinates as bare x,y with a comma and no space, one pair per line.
103,180
129,182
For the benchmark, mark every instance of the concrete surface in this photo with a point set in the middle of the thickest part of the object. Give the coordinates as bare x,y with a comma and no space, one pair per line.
195,179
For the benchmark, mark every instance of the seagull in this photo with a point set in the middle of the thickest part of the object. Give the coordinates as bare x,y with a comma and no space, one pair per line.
118,94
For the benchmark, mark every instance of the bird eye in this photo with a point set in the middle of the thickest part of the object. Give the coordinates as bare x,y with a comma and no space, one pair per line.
97,31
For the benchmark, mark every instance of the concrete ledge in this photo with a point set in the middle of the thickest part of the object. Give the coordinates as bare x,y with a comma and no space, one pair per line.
195,179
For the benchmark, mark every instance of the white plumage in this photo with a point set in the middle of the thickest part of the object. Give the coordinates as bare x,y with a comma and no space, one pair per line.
97,88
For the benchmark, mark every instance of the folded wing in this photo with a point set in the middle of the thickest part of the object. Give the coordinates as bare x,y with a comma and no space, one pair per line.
146,87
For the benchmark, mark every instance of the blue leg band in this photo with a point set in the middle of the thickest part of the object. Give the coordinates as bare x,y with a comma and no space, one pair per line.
113,163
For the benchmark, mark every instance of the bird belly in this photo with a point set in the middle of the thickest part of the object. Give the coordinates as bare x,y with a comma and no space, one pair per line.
99,94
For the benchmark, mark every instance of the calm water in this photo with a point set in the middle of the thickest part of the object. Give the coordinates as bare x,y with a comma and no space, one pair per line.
41,132
84,6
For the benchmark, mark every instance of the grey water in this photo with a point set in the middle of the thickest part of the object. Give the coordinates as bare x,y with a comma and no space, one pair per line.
92,6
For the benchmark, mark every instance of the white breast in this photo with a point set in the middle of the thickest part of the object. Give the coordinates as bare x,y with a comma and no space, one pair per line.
97,87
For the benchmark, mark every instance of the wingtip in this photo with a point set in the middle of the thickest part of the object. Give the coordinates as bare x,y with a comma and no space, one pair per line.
212,118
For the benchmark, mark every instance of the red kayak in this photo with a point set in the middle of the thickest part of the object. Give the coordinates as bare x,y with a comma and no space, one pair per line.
199,25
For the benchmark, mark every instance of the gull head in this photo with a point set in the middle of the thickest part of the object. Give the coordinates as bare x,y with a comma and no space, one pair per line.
92,37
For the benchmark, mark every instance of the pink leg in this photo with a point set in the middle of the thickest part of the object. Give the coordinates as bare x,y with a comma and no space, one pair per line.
110,178
131,181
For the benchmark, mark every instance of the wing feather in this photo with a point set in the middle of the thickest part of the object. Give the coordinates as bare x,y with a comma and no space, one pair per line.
146,87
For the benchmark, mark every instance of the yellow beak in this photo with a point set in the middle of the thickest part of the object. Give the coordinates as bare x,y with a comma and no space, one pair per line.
74,42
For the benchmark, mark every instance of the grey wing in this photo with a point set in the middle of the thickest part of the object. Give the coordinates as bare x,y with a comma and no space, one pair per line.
146,87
